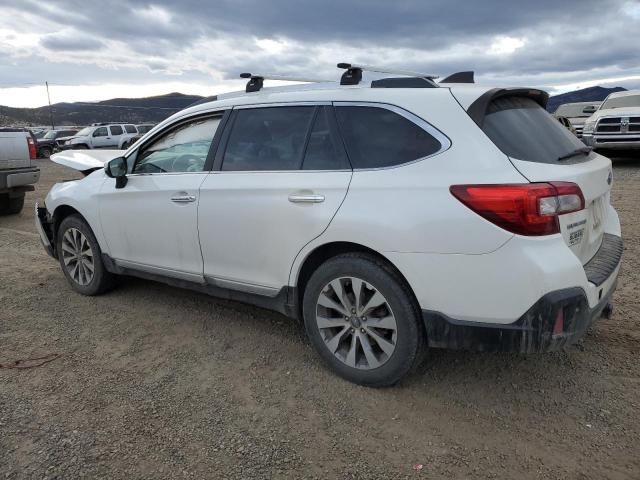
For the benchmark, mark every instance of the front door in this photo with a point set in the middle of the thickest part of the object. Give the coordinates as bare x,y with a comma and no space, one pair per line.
151,223
280,176
101,138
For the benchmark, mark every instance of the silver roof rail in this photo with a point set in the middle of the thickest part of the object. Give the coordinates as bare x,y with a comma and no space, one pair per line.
256,81
353,75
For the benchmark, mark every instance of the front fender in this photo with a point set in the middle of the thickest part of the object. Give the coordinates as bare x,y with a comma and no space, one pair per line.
80,196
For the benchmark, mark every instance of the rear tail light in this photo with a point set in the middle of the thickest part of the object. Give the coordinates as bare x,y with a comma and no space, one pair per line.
530,209
32,148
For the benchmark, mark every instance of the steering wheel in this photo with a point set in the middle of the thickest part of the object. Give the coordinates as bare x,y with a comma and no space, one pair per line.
187,163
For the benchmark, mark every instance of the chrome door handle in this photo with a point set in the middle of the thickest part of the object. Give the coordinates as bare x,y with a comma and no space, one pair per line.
183,198
305,198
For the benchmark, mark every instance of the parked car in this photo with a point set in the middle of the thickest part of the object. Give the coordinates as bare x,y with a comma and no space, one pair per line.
106,135
17,173
48,143
142,130
616,124
566,123
38,132
576,113
386,219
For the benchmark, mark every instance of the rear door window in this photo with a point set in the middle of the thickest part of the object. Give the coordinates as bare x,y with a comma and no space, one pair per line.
523,130
325,150
270,138
116,130
377,137
130,129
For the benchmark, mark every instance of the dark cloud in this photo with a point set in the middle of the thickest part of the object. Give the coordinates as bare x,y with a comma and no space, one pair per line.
71,41
558,42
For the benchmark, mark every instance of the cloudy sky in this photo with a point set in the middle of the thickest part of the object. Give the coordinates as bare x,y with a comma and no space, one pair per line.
93,50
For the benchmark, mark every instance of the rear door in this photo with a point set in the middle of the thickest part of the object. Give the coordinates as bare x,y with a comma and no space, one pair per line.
543,151
116,132
279,178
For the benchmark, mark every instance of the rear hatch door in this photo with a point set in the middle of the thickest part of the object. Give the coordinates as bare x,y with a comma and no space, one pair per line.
544,151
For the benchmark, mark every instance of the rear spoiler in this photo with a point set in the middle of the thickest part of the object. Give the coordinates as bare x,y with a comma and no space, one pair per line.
478,109
459,77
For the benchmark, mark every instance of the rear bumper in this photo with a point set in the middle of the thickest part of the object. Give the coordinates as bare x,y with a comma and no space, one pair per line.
19,178
538,330
621,142
559,318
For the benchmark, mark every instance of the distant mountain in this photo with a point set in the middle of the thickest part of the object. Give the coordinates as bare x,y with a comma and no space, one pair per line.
155,109
128,110
591,94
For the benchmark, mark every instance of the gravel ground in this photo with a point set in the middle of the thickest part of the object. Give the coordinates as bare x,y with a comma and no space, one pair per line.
156,382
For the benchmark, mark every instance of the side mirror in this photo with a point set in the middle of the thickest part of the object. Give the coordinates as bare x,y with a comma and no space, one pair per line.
117,168
589,109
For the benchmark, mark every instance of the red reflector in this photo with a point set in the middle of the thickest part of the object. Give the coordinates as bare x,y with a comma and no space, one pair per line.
526,209
558,327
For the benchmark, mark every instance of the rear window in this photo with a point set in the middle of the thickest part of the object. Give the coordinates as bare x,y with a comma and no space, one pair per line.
377,137
523,130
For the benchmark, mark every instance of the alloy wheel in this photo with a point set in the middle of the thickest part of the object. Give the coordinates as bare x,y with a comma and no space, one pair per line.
356,323
77,256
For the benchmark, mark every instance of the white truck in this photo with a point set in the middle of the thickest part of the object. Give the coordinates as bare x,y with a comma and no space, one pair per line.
616,124
17,173
100,135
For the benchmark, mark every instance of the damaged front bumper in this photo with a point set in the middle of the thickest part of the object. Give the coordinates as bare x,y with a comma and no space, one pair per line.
44,226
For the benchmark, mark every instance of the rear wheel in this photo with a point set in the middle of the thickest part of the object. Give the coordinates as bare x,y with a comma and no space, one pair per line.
80,257
363,321
11,206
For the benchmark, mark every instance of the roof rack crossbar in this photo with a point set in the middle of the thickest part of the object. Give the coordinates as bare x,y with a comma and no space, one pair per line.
256,81
353,75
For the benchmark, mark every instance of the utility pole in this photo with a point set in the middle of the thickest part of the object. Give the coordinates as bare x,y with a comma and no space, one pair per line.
53,127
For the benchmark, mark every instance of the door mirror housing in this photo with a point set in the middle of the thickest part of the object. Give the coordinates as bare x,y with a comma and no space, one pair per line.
117,168
589,109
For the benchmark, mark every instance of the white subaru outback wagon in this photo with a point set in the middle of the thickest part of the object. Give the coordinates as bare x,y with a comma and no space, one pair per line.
389,215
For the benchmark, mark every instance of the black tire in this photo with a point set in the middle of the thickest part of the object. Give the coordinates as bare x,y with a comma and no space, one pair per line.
102,280
11,206
81,146
410,340
45,152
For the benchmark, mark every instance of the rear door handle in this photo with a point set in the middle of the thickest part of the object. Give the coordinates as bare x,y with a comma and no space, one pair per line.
183,198
306,198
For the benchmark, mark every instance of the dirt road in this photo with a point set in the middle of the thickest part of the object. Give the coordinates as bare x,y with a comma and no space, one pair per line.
156,382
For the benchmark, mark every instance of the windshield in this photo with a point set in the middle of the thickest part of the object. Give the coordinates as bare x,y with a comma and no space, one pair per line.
524,130
84,132
620,102
572,110
50,135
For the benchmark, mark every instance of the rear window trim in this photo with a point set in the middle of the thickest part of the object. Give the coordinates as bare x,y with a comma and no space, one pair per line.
444,140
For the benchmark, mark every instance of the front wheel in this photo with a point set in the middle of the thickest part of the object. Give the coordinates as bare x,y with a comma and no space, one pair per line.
363,320
80,257
45,152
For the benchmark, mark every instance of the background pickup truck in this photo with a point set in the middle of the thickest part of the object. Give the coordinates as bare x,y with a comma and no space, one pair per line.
17,173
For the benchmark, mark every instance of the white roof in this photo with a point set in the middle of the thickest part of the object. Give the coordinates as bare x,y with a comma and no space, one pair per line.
626,93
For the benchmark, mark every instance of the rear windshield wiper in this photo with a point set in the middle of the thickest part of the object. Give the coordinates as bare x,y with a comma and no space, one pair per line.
577,151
